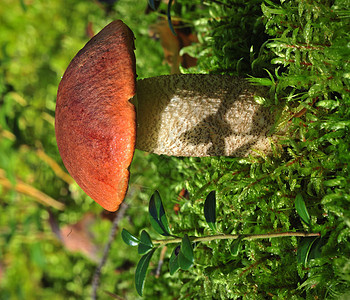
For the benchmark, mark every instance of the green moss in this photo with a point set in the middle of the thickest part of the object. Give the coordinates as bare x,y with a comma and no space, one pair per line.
307,45
300,49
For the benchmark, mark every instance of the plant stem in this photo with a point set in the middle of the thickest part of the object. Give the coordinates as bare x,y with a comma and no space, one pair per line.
96,279
235,236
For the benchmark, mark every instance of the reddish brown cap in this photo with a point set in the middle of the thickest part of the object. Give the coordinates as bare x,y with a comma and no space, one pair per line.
95,122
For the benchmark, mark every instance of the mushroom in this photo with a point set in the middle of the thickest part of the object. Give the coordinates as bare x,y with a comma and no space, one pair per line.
180,115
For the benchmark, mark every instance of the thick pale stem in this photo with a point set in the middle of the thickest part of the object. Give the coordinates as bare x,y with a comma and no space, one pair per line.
202,115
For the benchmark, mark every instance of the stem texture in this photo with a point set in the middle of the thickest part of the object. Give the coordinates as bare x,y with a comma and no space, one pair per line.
202,115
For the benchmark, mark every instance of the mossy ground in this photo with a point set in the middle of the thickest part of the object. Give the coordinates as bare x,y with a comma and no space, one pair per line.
300,49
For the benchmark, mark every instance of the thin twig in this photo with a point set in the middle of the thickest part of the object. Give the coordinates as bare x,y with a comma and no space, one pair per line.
235,236
96,278
161,261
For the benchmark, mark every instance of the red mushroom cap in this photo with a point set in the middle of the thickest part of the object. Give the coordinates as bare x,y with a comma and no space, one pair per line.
95,122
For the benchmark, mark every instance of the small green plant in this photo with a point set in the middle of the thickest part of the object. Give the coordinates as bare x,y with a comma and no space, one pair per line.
182,256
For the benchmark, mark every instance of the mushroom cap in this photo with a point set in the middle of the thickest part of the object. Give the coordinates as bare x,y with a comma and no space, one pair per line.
95,123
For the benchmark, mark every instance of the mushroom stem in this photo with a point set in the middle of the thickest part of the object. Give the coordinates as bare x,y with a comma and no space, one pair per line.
202,115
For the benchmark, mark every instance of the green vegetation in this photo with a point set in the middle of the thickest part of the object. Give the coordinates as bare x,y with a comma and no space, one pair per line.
182,256
300,49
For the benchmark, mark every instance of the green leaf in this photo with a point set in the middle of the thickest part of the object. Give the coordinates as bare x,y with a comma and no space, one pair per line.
236,247
186,247
301,209
169,18
316,251
145,238
152,4
141,270
185,256
184,263
157,215
304,249
174,260
143,249
129,239
210,210
145,244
